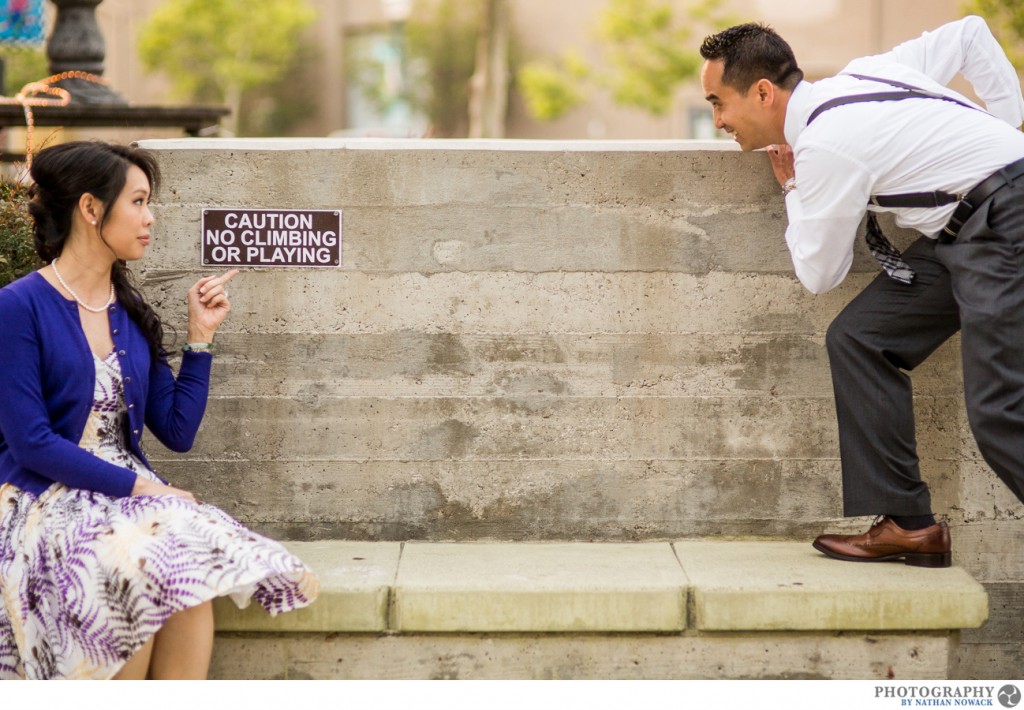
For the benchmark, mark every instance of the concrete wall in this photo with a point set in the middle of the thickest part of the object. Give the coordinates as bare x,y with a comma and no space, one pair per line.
534,341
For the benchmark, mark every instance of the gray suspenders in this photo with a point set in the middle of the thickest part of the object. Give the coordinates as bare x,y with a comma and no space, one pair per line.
969,201
936,198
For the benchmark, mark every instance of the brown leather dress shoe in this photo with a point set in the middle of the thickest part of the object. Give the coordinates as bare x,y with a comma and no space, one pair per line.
886,541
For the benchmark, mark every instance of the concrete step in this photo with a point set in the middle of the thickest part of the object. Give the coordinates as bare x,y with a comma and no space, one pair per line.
685,609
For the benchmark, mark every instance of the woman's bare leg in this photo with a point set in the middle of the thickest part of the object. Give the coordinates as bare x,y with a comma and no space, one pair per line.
184,645
138,665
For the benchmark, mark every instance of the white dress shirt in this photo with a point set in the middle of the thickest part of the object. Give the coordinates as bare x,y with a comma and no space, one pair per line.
914,145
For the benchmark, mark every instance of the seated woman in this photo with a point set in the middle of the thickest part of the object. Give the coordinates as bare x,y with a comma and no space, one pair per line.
105,569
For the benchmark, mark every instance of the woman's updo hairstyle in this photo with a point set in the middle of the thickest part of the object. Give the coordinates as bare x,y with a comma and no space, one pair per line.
61,175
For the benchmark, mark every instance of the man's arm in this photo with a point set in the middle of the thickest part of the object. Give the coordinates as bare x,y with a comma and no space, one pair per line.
968,47
824,212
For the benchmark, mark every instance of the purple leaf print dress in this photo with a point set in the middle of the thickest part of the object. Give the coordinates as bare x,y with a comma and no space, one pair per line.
86,579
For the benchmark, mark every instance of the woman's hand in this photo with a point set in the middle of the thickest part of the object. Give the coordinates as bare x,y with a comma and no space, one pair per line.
782,162
145,487
208,306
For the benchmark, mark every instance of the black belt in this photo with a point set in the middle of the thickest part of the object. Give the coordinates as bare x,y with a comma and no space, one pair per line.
976,197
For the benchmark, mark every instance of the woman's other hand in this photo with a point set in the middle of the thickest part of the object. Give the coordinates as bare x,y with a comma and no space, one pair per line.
145,487
208,306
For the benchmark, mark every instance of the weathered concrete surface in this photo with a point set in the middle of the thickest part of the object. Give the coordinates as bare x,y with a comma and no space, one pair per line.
655,587
810,656
989,538
536,341
524,500
776,586
531,342
718,609
356,579
539,587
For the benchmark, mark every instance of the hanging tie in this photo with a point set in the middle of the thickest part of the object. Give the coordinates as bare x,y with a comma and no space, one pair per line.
888,256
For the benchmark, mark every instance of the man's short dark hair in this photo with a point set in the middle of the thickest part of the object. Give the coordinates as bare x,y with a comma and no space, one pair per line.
752,52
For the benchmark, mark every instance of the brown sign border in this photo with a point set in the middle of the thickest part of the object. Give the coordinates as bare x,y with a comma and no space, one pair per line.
317,217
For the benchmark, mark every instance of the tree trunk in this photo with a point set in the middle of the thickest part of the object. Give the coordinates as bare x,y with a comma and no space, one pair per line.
488,89
233,100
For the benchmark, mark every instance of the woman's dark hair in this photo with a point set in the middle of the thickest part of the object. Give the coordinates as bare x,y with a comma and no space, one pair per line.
62,174
752,52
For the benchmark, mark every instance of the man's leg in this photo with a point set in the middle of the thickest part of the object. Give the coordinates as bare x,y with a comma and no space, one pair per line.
888,328
987,267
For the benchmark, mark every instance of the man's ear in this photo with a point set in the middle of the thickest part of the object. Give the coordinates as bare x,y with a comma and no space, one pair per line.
765,92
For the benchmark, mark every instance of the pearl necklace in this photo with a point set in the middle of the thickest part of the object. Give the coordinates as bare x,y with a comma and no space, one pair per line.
74,295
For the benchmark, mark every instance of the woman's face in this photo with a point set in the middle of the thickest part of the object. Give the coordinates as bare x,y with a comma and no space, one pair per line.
126,225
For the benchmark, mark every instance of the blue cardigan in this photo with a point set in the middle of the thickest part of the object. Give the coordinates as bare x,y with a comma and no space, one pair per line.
47,377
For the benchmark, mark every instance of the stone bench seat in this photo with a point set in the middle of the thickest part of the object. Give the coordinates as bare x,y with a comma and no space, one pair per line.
686,609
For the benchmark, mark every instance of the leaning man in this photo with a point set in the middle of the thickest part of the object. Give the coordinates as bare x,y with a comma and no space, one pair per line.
887,135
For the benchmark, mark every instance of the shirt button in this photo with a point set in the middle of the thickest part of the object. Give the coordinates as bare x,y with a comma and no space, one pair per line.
135,431
131,406
115,331
121,353
127,380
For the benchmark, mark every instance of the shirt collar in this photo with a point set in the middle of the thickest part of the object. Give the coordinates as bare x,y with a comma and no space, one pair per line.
798,110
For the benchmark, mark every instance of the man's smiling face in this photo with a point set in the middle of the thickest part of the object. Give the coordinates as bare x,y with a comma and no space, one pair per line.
745,116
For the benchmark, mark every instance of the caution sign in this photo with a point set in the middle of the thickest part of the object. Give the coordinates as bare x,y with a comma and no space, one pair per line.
243,237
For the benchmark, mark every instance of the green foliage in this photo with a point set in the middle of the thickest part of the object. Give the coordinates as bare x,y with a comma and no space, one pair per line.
549,89
205,45
218,50
649,52
441,37
438,56
1006,19
17,253
278,107
438,44
21,66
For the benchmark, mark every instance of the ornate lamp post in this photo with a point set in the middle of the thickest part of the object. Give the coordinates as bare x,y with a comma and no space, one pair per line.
76,51
76,47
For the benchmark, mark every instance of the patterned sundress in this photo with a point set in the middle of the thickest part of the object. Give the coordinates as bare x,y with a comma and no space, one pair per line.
86,579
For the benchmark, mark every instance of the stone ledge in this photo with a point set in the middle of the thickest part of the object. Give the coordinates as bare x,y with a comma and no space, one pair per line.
356,579
757,586
539,587
788,586
439,144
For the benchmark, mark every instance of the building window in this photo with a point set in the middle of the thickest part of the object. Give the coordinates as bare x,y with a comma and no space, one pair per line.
377,97
702,125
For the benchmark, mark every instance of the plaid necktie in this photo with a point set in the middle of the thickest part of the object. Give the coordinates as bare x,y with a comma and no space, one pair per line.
888,256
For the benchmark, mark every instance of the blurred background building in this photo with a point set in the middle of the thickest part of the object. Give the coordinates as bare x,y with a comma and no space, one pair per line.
402,67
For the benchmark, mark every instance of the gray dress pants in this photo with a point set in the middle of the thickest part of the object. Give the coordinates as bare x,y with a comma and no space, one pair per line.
975,284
